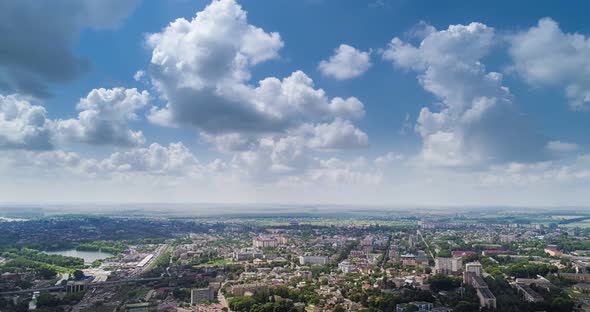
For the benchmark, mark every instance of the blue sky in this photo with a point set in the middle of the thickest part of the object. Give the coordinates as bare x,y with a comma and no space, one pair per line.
471,101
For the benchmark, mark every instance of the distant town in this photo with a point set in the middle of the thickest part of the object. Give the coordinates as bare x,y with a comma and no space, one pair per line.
383,260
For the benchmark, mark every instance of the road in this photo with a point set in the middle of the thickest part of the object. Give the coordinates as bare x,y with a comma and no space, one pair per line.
221,298
425,243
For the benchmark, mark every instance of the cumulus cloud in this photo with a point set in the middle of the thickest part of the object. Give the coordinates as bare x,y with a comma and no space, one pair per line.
294,156
202,68
174,159
280,157
546,56
339,134
346,63
288,161
38,39
104,117
23,125
477,122
540,173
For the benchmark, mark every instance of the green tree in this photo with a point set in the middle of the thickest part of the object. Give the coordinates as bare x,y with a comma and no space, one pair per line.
339,308
78,275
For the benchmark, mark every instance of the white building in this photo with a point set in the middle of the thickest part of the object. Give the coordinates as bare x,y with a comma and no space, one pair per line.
447,266
474,267
248,253
313,260
265,242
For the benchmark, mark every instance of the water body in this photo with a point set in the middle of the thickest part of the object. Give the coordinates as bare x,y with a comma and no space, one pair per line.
88,256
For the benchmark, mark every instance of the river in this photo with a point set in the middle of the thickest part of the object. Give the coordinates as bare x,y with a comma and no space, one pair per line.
88,256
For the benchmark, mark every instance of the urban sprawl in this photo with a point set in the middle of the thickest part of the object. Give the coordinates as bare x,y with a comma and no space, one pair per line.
411,262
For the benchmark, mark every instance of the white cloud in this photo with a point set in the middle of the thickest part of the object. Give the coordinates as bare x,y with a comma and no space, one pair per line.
337,172
174,159
477,122
340,134
546,56
346,63
561,147
548,173
269,159
199,66
139,75
104,117
202,67
40,162
272,158
388,159
154,160
23,125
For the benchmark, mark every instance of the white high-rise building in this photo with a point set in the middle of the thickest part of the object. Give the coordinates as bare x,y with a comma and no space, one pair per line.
447,266
313,260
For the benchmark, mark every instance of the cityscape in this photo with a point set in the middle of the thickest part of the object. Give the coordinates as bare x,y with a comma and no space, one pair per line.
392,260
294,156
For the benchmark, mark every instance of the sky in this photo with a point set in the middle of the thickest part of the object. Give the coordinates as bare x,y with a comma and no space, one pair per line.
379,102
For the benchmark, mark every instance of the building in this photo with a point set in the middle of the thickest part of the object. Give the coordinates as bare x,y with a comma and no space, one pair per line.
202,294
411,306
313,260
472,276
367,241
346,267
576,277
247,253
393,252
462,253
265,242
408,260
306,275
447,266
486,298
539,281
489,252
76,286
283,240
472,269
528,293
